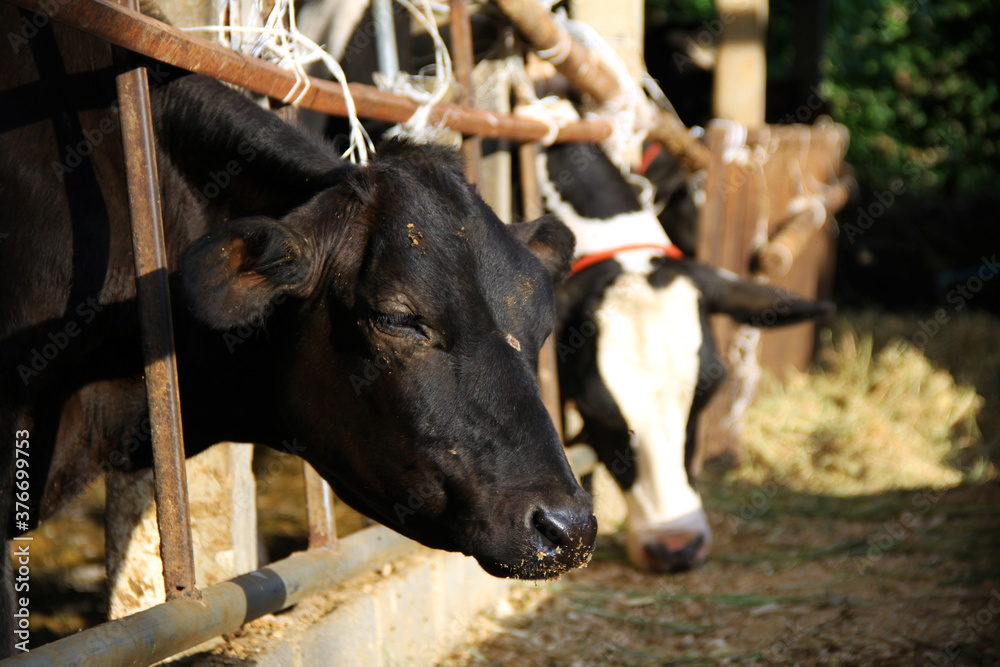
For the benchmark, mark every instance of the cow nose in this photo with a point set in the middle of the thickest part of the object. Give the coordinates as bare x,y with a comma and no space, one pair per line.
567,535
675,553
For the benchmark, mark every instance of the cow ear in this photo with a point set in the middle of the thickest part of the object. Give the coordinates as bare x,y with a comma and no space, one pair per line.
550,240
231,274
756,304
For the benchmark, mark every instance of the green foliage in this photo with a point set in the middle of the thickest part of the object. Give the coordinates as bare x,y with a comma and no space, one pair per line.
916,84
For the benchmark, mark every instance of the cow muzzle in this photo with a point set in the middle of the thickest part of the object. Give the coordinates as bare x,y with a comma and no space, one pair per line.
676,546
556,539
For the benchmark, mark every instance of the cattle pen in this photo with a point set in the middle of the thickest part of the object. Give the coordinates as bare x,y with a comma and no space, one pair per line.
755,222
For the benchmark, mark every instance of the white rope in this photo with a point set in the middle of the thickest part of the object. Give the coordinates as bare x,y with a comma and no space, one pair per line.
743,350
552,110
290,49
418,125
558,52
629,113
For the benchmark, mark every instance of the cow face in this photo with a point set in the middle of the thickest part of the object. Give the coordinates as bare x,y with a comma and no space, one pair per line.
636,352
406,359
641,379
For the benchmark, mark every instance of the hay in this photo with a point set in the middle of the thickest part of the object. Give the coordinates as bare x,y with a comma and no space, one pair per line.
874,418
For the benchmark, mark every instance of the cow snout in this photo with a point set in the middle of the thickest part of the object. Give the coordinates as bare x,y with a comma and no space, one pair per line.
670,547
675,553
564,538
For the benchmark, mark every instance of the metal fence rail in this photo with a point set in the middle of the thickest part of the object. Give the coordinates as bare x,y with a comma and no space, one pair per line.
129,29
188,619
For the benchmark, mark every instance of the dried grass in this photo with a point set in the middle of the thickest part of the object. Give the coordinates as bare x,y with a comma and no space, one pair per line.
878,414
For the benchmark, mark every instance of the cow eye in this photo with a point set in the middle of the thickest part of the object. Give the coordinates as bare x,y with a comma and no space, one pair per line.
400,324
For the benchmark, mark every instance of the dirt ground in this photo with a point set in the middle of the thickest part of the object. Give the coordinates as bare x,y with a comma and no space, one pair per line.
794,577
904,578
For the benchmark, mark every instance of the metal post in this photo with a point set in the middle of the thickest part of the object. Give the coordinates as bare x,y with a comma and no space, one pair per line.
109,21
548,371
385,38
319,509
153,293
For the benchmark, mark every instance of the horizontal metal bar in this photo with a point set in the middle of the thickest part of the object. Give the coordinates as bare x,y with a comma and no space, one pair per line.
131,30
166,629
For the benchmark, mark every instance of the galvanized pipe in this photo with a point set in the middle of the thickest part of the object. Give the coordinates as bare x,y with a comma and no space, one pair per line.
156,326
385,38
164,630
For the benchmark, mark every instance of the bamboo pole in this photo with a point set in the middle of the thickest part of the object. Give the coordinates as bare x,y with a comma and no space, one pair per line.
593,77
775,258
463,62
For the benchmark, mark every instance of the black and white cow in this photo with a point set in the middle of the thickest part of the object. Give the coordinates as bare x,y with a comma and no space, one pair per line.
635,350
381,317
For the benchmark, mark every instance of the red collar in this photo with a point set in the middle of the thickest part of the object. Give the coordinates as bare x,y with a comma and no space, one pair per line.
653,150
669,250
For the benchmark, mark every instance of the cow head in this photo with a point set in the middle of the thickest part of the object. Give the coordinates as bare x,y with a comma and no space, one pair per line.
636,354
405,356
641,368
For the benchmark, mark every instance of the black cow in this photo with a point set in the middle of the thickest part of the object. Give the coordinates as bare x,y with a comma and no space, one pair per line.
636,353
380,317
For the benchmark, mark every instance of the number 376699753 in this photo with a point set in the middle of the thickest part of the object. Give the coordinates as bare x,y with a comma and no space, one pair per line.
21,479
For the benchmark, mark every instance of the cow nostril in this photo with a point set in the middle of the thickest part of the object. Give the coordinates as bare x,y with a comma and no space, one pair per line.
549,527
563,531
664,557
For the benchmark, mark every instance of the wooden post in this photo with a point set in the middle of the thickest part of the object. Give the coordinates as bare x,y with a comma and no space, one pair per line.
741,69
463,62
793,178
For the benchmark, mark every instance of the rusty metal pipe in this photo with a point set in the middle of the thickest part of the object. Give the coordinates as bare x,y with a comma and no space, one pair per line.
156,326
166,629
319,509
149,37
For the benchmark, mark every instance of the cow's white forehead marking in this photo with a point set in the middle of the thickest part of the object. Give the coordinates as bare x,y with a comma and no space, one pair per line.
647,355
513,342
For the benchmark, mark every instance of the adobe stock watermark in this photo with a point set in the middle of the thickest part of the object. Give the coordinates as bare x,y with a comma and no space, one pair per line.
911,171
751,506
76,154
33,24
966,631
241,334
790,636
21,545
896,16
892,533
42,355
958,297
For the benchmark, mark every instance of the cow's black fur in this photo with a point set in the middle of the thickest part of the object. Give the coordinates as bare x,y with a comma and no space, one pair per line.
364,313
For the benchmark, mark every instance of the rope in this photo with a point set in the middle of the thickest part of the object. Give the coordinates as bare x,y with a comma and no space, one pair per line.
290,49
558,52
629,113
418,125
